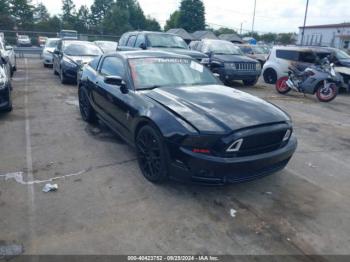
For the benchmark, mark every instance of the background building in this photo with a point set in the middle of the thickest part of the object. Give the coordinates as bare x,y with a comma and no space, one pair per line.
334,35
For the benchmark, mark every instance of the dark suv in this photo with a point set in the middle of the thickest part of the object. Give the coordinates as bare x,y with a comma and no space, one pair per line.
157,41
229,62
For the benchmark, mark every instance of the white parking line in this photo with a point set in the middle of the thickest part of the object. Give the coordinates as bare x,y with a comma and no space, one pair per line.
31,194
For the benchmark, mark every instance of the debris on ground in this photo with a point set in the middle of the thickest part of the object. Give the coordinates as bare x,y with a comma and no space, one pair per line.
311,165
50,188
233,212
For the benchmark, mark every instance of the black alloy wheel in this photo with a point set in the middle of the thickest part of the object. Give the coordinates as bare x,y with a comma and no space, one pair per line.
270,76
152,154
86,110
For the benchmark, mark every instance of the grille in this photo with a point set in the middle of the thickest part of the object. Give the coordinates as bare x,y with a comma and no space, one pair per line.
254,143
245,66
261,143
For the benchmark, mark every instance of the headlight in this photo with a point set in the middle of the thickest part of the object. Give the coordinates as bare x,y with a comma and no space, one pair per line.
287,135
230,66
205,61
2,82
2,79
69,62
258,66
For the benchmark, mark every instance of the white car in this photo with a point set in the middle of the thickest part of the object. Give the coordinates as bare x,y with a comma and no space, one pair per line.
23,40
47,55
9,54
281,57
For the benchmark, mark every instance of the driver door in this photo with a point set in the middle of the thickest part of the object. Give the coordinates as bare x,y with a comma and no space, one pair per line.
109,99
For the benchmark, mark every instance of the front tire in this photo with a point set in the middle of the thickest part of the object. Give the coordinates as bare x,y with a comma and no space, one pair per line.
87,112
250,82
270,76
63,78
326,94
281,85
152,154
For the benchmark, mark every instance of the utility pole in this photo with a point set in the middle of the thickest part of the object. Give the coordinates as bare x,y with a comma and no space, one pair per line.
253,18
240,31
302,34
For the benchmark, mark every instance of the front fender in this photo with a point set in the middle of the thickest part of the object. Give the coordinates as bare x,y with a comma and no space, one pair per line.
171,125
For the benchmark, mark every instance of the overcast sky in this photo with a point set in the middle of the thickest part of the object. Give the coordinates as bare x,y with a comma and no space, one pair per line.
271,15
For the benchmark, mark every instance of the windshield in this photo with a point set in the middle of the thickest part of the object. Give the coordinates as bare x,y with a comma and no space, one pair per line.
51,43
258,50
108,46
167,41
341,55
222,47
82,49
158,72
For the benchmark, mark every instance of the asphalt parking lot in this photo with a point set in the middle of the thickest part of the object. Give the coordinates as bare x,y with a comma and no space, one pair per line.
104,205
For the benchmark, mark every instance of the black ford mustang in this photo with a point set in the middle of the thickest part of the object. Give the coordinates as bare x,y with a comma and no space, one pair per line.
183,122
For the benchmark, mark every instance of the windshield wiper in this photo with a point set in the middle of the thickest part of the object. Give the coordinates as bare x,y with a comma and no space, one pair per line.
149,87
162,46
176,46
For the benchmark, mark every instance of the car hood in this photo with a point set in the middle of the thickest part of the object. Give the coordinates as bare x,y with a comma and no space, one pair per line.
49,49
216,108
345,62
194,54
81,59
233,58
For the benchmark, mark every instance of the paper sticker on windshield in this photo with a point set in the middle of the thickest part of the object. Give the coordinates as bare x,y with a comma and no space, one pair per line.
197,67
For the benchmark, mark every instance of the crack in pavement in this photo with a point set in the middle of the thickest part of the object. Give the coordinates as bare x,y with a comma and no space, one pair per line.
18,176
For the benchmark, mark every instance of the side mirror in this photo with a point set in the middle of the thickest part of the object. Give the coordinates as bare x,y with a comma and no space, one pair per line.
215,64
143,46
56,52
8,48
116,81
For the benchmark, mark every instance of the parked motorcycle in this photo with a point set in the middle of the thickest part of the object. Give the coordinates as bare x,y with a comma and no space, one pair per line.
321,80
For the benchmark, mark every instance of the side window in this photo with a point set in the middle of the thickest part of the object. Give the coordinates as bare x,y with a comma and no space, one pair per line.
131,41
140,39
112,66
123,39
287,54
307,57
94,63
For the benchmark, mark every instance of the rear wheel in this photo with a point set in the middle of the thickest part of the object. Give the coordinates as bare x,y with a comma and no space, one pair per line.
151,154
250,82
270,76
86,110
281,85
9,107
63,78
326,92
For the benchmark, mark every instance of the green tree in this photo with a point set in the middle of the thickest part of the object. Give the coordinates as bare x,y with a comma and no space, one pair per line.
173,21
22,12
99,10
268,37
286,38
117,21
152,24
192,15
5,19
224,30
41,14
68,14
82,19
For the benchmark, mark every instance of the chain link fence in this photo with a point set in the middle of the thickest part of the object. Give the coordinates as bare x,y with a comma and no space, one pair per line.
10,37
